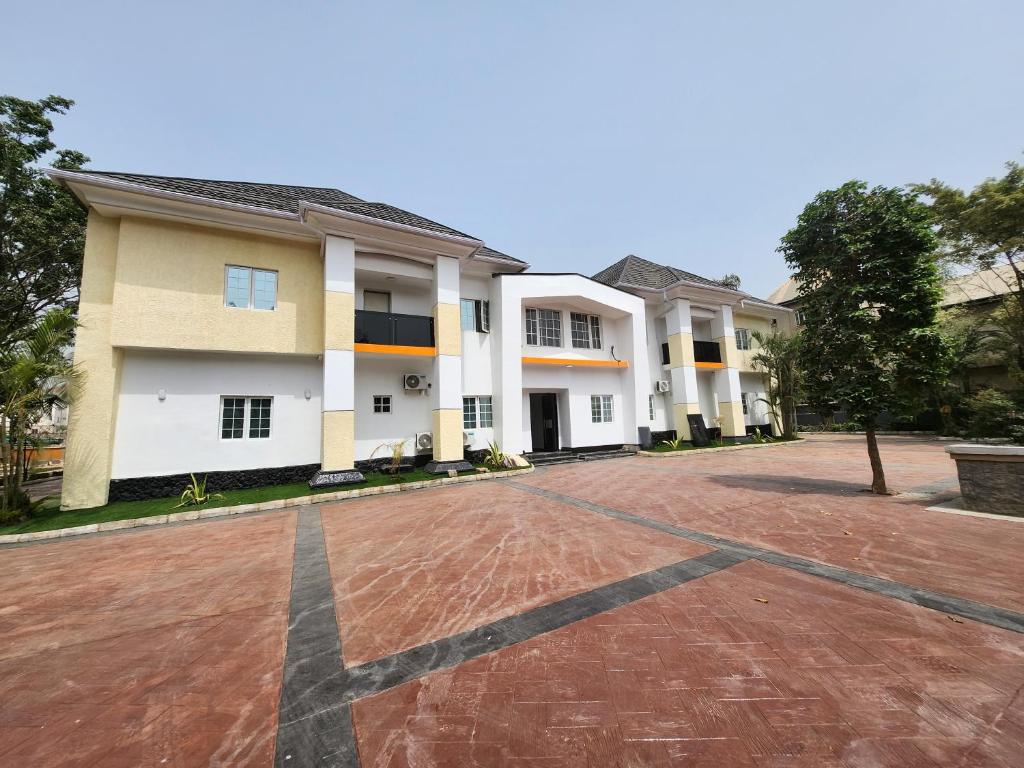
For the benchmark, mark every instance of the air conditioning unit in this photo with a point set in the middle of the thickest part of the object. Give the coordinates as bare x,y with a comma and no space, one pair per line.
664,386
424,442
467,438
415,381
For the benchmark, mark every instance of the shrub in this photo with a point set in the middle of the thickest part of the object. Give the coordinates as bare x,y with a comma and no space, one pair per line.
1017,434
674,445
991,414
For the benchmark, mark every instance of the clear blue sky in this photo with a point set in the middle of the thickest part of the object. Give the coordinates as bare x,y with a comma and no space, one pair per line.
567,134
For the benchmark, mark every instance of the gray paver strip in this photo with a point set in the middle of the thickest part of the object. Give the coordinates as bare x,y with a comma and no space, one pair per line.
968,609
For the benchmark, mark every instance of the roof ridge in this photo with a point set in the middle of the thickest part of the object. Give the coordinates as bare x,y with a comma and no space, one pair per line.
215,181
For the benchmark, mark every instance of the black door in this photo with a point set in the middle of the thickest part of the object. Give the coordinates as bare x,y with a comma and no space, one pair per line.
544,421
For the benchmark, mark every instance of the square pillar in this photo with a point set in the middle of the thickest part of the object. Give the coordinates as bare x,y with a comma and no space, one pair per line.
446,383
682,370
337,422
727,380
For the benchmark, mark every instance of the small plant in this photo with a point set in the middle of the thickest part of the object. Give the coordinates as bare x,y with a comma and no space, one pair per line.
195,494
497,458
397,451
674,445
718,424
757,437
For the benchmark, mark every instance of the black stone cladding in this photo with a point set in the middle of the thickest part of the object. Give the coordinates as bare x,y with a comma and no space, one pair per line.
137,488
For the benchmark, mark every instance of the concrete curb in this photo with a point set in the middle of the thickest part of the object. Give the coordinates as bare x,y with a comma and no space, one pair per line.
720,449
263,506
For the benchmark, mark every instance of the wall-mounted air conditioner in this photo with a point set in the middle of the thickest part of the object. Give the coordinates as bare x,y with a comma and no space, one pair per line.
424,442
415,381
664,386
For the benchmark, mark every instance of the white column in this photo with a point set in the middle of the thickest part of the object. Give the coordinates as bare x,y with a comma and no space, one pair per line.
727,380
506,351
682,371
446,383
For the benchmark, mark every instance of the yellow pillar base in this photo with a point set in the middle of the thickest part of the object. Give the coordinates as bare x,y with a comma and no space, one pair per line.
448,434
337,440
731,415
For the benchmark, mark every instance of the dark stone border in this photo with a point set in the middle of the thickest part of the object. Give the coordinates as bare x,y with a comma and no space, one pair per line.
314,727
137,488
926,598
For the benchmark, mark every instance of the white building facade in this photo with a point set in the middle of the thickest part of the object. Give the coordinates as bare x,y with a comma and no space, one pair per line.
261,334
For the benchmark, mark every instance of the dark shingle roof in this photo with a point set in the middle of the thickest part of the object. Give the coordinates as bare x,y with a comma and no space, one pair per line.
493,254
633,271
286,198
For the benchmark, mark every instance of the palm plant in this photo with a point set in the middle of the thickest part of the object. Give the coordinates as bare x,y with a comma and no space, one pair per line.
195,494
497,458
33,372
674,445
778,356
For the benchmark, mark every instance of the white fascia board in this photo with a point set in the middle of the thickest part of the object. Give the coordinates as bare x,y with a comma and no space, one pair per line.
332,221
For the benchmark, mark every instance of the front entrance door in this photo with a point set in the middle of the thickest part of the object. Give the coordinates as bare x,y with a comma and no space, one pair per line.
544,421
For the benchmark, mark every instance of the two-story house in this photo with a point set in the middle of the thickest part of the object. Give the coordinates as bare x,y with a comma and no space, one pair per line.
271,333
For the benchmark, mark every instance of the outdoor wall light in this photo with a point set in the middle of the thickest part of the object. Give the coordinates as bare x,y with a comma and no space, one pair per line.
161,395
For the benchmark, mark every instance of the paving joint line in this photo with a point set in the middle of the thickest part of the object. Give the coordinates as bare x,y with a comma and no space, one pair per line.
926,598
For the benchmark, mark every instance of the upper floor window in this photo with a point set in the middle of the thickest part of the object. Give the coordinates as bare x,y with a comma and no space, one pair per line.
476,315
544,327
586,330
246,287
742,338
245,416
801,318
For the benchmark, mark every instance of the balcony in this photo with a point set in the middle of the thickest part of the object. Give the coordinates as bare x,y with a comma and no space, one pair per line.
707,352
392,333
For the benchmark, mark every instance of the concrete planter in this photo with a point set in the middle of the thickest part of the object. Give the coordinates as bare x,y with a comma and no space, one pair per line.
991,477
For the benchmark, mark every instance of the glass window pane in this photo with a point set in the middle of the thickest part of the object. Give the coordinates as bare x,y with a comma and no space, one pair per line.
485,316
232,418
579,327
595,409
469,413
606,405
549,332
531,327
236,289
650,405
595,331
468,314
259,417
486,412
264,292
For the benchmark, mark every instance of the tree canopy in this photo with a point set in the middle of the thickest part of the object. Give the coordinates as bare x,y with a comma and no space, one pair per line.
870,289
42,227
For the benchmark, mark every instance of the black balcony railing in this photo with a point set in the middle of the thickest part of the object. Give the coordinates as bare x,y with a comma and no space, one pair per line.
391,328
707,352
665,357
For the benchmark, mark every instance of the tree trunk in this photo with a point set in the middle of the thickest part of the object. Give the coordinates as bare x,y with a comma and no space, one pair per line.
877,473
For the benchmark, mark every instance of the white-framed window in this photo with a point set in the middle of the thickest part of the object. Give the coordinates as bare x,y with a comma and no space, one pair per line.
742,338
245,417
477,411
650,405
543,327
585,330
382,403
250,288
475,315
745,399
600,409
801,317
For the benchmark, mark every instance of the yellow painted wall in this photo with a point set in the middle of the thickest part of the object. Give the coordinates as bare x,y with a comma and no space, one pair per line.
169,290
93,413
731,415
339,320
751,323
680,349
338,443
448,434
447,329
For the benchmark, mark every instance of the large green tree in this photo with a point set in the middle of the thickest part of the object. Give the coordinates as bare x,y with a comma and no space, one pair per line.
42,227
982,229
870,289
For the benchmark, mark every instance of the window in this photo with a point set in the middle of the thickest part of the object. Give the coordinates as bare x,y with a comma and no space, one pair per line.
245,287
476,315
477,412
544,327
245,416
745,399
376,301
801,318
742,338
650,405
382,403
586,330
600,408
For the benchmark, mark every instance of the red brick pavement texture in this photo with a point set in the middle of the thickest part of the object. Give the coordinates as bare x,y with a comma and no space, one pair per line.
808,500
154,648
423,566
753,666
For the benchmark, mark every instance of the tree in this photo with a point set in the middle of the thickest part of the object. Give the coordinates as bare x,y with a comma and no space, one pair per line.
33,372
779,357
870,290
731,280
42,227
982,229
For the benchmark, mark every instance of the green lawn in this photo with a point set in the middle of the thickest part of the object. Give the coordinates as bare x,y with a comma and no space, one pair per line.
50,516
662,448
